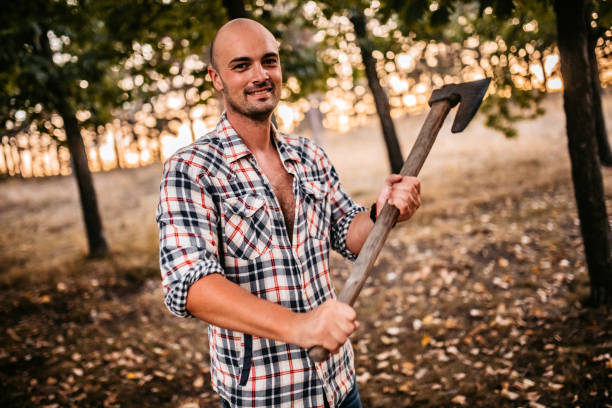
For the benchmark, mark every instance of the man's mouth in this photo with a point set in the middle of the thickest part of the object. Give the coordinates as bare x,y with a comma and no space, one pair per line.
259,90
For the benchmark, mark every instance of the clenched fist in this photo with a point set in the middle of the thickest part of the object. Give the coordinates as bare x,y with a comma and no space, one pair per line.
329,325
404,193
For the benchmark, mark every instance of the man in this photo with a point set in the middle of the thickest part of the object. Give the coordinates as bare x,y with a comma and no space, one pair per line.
246,217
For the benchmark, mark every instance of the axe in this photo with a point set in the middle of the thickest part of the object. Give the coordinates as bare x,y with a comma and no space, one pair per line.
469,96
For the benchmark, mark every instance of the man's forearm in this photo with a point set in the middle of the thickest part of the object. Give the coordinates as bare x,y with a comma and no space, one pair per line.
358,231
222,303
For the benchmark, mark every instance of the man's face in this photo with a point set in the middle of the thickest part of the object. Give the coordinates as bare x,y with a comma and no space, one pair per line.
248,70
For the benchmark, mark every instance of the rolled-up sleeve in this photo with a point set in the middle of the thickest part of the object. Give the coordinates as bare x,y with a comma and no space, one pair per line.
343,210
187,224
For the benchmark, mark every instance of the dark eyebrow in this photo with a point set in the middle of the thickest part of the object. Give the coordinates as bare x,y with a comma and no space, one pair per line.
270,54
248,59
239,59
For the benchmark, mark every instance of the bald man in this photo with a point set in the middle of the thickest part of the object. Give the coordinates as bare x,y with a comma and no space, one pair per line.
247,216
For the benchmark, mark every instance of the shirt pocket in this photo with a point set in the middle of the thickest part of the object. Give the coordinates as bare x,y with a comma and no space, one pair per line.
317,209
248,231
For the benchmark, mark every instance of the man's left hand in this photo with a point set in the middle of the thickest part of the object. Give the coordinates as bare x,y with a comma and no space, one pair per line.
402,192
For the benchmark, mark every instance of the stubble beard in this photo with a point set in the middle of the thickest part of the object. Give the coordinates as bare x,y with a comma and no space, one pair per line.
258,114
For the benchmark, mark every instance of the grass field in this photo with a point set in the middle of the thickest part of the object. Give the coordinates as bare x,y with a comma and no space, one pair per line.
476,301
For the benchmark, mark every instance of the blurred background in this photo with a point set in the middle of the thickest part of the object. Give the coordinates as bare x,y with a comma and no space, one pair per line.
495,294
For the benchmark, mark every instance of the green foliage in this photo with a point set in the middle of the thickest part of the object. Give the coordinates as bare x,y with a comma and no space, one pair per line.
517,33
423,18
502,9
600,26
502,113
76,52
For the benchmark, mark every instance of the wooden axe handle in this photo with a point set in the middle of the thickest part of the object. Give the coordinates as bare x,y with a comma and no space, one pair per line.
388,216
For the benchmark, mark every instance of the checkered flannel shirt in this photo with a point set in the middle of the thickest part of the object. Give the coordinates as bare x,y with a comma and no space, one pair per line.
218,214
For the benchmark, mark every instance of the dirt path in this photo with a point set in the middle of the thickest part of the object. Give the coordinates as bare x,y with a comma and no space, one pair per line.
475,302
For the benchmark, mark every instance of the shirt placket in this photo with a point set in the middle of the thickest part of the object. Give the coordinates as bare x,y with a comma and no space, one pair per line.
320,369
271,196
294,245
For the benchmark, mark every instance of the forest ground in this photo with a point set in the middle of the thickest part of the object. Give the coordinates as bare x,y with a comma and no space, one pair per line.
476,301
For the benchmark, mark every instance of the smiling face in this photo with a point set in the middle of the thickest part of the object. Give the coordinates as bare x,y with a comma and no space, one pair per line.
247,69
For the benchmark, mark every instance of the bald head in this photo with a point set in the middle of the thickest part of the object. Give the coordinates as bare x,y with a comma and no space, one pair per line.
245,66
233,31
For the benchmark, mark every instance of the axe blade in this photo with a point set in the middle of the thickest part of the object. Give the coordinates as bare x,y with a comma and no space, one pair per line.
468,95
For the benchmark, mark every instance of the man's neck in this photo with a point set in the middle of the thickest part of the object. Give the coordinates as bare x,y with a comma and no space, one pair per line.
254,133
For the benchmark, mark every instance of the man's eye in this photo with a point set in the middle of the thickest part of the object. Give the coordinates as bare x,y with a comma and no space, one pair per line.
240,66
270,61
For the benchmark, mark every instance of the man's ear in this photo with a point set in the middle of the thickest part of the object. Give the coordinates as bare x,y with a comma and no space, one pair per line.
216,79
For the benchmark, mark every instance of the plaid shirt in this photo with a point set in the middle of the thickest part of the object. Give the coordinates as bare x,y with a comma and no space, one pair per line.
218,214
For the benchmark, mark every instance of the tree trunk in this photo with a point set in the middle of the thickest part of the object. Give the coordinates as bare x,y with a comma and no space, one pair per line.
118,154
6,150
34,154
159,150
99,156
16,157
603,146
161,124
586,171
192,130
380,98
89,204
48,171
316,122
235,9
5,167
58,155
544,75
137,146
22,163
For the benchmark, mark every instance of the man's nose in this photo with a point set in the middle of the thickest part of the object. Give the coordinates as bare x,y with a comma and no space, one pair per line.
260,73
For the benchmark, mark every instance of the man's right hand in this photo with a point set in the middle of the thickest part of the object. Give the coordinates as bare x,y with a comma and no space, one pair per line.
329,325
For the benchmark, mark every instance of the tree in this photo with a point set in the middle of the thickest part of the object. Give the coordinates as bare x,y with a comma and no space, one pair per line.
62,57
354,11
568,27
34,79
572,35
381,100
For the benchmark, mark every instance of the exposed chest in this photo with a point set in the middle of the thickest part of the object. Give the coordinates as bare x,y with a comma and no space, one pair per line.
282,185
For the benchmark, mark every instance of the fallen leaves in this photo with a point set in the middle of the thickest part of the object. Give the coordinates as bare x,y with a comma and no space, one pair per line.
489,317
425,340
407,368
198,382
524,384
509,394
364,377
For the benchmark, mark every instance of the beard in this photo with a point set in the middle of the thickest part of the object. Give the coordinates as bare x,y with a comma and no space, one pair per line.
260,111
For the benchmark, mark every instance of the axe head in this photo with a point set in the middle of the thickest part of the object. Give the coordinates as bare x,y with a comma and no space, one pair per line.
468,95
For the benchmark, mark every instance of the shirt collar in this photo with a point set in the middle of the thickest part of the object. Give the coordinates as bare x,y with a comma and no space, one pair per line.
234,147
